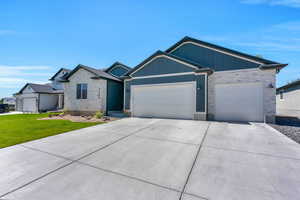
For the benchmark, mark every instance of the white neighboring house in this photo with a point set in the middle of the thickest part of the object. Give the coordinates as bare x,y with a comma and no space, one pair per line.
36,98
288,99
9,100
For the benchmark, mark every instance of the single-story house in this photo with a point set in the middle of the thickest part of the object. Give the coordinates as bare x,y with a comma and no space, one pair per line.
288,99
9,100
199,80
88,90
36,98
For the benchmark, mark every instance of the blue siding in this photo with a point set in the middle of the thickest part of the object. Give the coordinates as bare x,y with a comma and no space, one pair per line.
200,95
114,96
212,59
162,65
118,71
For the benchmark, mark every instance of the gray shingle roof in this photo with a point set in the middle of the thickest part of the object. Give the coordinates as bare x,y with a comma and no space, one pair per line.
67,70
39,88
97,72
289,85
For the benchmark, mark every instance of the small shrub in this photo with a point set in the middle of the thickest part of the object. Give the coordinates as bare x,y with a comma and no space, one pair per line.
99,115
53,114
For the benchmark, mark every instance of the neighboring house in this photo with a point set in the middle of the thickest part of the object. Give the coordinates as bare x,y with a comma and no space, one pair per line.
288,99
9,100
198,80
88,90
36,98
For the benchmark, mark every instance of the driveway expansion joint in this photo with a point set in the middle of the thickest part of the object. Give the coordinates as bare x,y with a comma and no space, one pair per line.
46,152
71,161
129,177
250,152
36,179
195,160
165,140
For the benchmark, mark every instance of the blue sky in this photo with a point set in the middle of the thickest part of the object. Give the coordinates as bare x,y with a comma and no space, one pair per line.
39,37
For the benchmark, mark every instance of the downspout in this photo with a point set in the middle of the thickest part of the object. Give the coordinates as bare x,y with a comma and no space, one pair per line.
106,105
38,103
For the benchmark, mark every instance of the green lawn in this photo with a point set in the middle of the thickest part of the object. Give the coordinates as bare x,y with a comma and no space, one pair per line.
15,129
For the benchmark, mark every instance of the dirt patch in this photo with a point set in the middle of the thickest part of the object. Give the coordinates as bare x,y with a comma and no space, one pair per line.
73,118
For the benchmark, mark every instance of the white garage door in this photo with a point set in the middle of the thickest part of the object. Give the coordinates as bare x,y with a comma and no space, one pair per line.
29,105
164,100
239,102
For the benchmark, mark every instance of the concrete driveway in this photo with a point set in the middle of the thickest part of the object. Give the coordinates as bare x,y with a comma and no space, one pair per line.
153,159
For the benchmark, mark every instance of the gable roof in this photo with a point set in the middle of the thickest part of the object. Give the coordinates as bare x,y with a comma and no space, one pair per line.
220,48
98,73
161,53
117,63
39,88
289,85
61,69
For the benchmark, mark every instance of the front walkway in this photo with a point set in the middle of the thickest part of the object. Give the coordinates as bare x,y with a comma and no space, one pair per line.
154,159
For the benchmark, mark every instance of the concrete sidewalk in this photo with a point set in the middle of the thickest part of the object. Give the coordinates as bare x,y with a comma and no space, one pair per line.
11,113
154,159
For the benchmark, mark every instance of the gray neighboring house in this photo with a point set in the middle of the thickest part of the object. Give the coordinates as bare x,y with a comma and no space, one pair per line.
88,90
199,80
288,99
34,98
9,100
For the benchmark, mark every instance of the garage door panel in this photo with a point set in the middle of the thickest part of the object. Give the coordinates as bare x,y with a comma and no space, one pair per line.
239,102
29,104
165,101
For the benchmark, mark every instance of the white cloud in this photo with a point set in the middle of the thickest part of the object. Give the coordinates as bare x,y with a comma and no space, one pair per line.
15,77
6,70
289,3
289,26
283,37
16,82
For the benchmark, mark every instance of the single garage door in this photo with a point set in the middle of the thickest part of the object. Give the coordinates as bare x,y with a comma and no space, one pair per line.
164,100
29,105
239,102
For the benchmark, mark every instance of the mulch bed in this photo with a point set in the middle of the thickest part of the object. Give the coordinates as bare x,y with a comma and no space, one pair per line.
289,126
79,118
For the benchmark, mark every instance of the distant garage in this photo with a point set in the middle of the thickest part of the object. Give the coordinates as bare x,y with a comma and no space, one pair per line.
29,105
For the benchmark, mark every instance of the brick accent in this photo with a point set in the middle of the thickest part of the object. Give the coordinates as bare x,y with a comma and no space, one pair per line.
94,102
266,77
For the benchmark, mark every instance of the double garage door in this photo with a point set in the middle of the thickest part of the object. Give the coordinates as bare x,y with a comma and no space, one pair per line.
164,100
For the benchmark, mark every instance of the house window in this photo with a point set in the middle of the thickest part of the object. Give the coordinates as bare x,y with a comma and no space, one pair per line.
82,91
281,95
99,93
